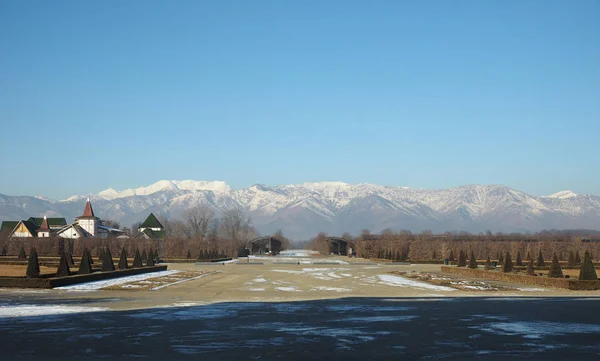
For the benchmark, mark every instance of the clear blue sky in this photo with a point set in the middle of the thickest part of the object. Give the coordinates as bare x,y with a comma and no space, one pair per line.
432,94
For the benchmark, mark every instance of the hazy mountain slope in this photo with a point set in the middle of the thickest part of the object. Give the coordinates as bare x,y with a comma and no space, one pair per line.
302,210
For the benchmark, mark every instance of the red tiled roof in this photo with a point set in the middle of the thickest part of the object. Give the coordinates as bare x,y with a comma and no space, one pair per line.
44,226
88,211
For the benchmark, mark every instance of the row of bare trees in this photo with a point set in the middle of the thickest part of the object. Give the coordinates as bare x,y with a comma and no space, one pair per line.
429,246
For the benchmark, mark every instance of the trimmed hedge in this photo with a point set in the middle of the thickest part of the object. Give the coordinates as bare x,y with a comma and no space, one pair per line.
568,283
51,282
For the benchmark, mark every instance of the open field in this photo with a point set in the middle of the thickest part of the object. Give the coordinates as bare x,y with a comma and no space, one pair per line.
299,307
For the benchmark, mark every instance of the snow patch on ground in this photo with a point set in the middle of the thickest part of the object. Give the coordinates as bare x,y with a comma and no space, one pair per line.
398,281
335,289
288,289
96,285
256,289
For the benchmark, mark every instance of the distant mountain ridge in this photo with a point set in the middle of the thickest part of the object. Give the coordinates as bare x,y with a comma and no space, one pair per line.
302,210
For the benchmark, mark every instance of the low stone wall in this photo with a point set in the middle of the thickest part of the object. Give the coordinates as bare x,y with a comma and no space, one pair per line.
568,283
51,282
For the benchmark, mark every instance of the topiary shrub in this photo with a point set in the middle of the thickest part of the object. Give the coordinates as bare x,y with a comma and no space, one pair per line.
507,266
85,267
63,266
137,259
501,259
189,254
488,264
3,253
451,256
462,259
107,261
70,260
587,271
123,260
144,256
519,260
150,261
22,254
529,256
33,265
541,262
530,269
472,261
571,259
555,270
577,258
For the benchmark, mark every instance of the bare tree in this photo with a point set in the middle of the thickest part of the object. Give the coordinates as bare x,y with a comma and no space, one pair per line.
199,220
235,225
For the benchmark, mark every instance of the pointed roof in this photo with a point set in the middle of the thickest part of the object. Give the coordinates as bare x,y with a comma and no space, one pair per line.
52,222
31,228
88,211
44,226
151,222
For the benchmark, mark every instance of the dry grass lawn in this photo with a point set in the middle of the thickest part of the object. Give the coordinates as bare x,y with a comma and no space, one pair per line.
19,270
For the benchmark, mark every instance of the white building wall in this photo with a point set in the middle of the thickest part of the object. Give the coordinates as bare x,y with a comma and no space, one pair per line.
89,225
21,234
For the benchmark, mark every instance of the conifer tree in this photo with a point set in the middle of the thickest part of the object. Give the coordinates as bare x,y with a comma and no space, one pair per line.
33,265
144,256
530,269
555,271
70,260
3,251
541,262
462,259
519,260
85,267
571,260
507,266
150,261
107,262
451,257
123,260
137,259
577,258
63,266
587,271
189,254
472,261
488,264
22,254
529,256
89,256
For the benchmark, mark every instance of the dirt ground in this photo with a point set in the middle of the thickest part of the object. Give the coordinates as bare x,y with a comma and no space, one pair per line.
287,278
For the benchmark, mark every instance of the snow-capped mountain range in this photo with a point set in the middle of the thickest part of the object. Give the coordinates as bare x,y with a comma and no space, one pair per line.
303,210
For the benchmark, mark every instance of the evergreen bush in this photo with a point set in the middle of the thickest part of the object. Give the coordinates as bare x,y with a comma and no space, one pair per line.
85,267
144,256
3,253
472,261
587,271
189,254
530,269
22,254
137,259
123,260
107,262
541,262
33,265
488,264
577,258
571,260
519,260
507,266
462,259
451,256
150,261
555,271
63,266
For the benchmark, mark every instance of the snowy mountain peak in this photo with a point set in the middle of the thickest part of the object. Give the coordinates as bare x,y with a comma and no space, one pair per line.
168,185
563,195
